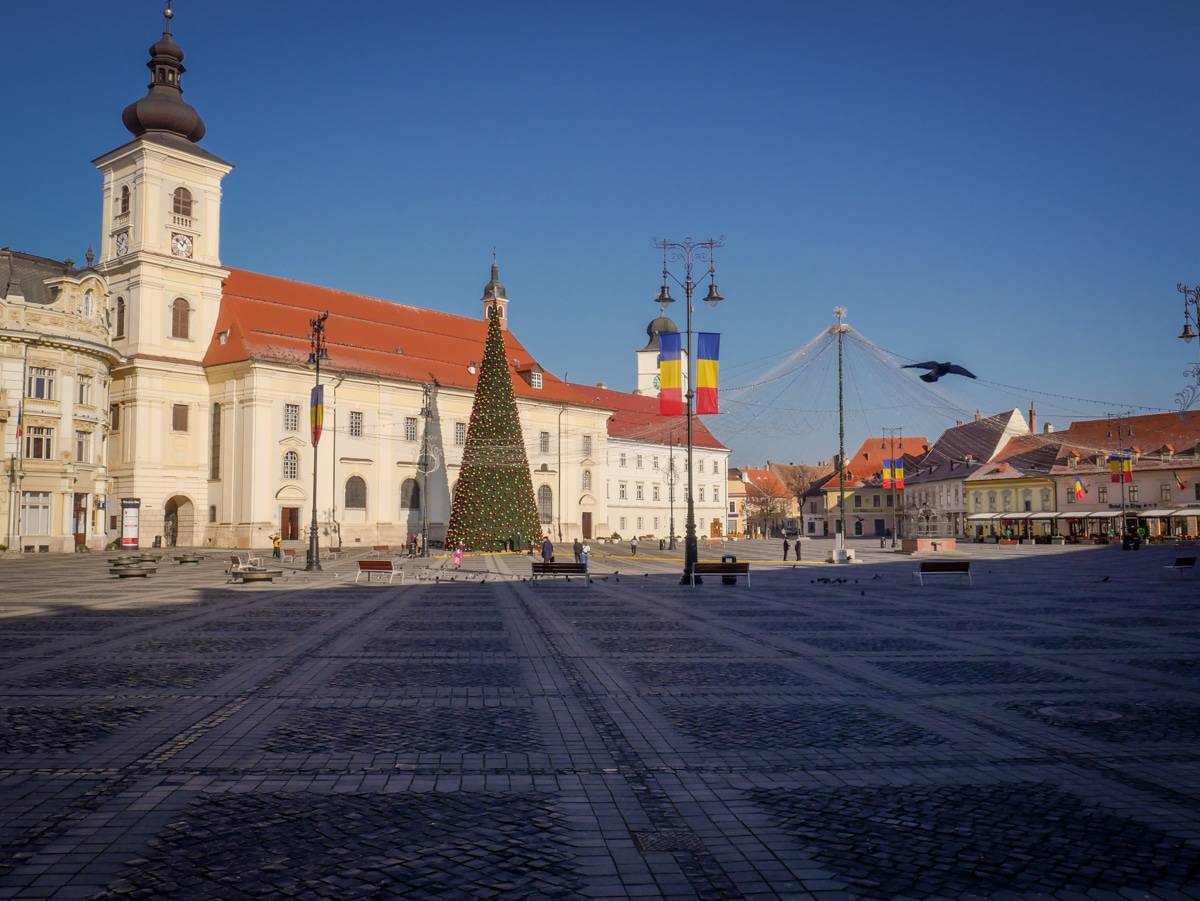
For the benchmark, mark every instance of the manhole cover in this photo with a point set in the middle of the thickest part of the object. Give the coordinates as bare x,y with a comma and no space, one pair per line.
668,840
1079,713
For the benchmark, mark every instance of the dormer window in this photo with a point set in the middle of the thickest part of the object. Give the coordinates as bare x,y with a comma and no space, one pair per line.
535,379
181,204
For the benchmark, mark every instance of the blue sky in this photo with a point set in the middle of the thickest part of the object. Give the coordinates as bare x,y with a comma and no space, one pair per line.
1011,186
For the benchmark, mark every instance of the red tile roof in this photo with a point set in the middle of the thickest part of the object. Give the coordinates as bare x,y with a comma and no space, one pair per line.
267,318
765,481
868,462
636,417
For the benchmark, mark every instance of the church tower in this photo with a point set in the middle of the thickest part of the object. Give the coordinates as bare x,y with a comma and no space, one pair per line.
647,357
161,219
494,295
160,251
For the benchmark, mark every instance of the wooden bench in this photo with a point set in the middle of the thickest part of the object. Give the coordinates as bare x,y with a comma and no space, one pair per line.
538,570
721,569
380,567
958,568
290,553
1182,565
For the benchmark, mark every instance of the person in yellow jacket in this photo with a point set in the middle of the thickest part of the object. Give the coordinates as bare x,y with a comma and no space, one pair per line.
277,545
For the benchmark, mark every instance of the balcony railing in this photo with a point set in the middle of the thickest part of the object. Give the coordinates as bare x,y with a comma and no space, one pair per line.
181,221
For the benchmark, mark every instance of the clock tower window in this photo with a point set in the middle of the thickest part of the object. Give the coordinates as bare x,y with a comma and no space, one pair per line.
180,314
124,200
181,204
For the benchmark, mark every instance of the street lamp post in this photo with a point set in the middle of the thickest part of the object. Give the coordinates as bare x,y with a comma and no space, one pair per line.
1120,418
840,543
689,253
892,434
671,480
317,353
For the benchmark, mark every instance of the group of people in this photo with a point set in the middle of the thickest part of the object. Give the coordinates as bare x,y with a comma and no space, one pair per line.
583,552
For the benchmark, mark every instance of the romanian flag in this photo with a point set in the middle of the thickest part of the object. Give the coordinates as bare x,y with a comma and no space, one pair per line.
1121,467
1127,467
670,377
898,471
1179,483
1078,488
707,360
317,412
20,425
887,473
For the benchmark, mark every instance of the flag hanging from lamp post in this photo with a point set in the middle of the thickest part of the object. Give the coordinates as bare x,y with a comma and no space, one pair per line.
707,365
317,412
670,376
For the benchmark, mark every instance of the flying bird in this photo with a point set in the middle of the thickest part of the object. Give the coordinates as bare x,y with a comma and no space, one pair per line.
937,370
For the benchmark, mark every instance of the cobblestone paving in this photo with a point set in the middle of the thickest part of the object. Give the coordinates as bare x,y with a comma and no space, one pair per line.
1033,736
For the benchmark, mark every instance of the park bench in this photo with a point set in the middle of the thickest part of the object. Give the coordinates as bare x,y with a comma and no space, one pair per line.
290,554
721,569
539,570
380,567
1182,565
958,568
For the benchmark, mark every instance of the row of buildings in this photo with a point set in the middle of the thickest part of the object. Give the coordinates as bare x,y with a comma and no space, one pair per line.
155,390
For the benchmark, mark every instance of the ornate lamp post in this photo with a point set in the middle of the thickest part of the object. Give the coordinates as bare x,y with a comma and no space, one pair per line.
689,253
317,353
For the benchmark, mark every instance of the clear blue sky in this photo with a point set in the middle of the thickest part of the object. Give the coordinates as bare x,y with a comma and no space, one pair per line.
1012,186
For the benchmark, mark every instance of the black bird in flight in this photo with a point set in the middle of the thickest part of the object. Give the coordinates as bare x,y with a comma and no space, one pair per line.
937,370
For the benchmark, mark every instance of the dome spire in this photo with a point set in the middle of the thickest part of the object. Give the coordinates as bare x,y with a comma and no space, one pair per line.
163,108
495,296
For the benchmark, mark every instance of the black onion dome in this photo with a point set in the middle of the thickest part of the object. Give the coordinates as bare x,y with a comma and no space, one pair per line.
658,327
163,108
494,289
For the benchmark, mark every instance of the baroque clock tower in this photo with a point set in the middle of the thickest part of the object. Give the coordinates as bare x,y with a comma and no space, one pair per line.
160,240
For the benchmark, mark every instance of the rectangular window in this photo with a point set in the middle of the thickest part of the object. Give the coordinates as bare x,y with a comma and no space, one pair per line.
639,492
1133,493
356,424
291,417
212,513
35,512
621,461
460,433
544,442
83,447
214,442
639,524
40,383
114,417
732,508
716,494
1164,492
656,523
857,501
621,491
1102,494
410,428
1070,495
83,390
875,501
622,523
639,461
535,379
39,443
587,445
891,501
179,417
655,492
654,462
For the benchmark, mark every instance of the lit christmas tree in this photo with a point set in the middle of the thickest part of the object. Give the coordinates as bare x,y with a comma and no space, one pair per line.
493,500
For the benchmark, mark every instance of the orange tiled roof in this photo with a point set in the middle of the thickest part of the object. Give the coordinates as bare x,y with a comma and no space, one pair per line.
868,462
636,417
765,481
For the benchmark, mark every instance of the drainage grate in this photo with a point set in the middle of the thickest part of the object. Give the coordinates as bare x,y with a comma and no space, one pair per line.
668,840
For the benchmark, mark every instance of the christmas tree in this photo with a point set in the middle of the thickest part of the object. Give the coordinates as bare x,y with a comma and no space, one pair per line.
493,500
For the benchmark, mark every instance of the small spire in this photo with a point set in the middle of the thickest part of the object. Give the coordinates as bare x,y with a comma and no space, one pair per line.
168,15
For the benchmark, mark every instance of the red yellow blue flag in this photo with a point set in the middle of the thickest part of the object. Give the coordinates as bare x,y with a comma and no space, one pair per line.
898,470
317,412
1179,483
708,352
670,376
887,473
1079,488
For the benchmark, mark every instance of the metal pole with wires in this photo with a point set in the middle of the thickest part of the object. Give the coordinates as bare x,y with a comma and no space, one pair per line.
840,330
892,434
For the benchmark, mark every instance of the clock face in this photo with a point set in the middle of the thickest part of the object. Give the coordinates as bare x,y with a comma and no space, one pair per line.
122,242
181,245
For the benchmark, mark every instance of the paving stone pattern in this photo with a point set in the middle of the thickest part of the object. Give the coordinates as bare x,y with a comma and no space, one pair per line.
1033,736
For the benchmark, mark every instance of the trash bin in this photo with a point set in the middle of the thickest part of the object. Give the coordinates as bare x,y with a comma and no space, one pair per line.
729,580
1126,543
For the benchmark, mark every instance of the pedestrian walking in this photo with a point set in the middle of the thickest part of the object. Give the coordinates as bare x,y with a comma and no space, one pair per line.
577,547
633,546
458,555
547,550
420,543
786,548
586,554
277,546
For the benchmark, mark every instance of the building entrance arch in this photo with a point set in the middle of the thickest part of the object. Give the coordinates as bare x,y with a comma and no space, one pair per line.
179,522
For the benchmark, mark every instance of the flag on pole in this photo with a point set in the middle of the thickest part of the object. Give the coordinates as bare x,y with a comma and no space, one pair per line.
1179,483
1121,467
20,426
317,412
670,378
1114,467
707,363
1079,488
887,473
898,471
1127,467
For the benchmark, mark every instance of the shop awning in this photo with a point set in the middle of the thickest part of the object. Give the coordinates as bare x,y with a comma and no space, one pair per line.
1104,514
1157,514
1072,514
1043,515
1013,516
978,517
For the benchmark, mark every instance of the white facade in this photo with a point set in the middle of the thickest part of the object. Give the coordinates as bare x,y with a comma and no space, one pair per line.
639,489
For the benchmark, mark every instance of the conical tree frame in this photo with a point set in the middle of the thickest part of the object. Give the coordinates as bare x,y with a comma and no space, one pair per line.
493,499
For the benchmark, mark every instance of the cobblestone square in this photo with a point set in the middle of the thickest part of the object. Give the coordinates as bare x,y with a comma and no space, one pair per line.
1031,736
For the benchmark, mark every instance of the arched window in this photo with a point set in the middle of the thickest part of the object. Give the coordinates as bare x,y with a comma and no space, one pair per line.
124,200
181,202
410,495
356,493
180,313
291,466
120,330
587,480
89,303
545,504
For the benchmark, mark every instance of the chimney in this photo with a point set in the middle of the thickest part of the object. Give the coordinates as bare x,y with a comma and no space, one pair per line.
978,416
1032,419
1048,428
601,385
957,423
